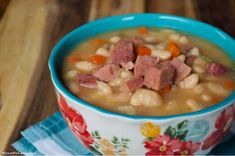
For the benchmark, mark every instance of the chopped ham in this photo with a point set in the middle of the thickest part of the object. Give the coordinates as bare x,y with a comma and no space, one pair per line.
216,69
87,80
159,76
123,52
134,83
107,72
143,63
182,70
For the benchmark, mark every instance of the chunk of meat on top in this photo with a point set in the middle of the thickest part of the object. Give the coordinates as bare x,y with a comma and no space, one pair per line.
182,69
87,80
159,76
143,63
107,72
123,52
216,69
134,83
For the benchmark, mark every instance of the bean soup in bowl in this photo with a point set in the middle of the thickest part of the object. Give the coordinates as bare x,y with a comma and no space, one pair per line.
146,84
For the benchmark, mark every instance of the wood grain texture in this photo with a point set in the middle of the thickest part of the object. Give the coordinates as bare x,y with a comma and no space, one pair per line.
103,8
3,6
27,94
218,13
19,64
176,7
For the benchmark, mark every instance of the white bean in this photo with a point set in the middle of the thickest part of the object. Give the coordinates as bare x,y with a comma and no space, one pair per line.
150,39
150,46
71,74
116,82
194,105
104,88
198,69
174,37
199,61
161,46
161,54
194,51
85,66
126,109
146,97
218,89
165,55
199,65
206,97
115,39
182,57
126,74
102,51
183,40
190,81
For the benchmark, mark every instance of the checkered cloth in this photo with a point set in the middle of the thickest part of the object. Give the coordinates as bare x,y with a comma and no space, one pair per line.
52,137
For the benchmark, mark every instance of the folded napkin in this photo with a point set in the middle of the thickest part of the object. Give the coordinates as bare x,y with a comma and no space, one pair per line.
52,137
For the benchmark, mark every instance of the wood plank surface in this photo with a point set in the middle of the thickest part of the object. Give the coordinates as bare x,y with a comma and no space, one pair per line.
27,95
30,28
103,8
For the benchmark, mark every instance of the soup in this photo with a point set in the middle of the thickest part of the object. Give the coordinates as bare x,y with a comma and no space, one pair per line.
148,72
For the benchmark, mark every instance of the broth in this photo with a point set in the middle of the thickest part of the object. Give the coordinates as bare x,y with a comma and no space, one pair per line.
209,81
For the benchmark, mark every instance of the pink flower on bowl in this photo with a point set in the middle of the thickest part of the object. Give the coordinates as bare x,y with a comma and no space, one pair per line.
188,148
222,125
162,145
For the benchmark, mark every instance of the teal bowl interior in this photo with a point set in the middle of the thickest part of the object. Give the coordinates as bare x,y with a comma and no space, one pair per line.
203,30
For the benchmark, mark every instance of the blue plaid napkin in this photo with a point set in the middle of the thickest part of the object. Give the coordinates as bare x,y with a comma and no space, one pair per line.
52,137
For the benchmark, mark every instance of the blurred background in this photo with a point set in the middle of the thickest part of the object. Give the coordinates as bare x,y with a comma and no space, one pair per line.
30,28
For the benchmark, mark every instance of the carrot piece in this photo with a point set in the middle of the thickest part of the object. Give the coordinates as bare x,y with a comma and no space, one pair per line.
229,85
99,41
173,48
215,100
97,59
142,50
165,89
142,30
73,59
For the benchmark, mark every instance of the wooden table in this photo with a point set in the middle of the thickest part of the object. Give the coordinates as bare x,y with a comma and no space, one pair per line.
30,28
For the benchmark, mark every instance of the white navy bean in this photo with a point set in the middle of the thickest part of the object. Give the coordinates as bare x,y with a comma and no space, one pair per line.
146,97
85,66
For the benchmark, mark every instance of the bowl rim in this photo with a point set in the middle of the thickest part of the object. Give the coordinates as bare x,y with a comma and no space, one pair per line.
59,86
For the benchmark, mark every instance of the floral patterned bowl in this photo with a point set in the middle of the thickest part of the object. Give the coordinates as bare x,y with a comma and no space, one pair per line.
107,133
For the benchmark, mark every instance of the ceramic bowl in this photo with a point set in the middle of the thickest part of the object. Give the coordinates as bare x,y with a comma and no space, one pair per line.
106,133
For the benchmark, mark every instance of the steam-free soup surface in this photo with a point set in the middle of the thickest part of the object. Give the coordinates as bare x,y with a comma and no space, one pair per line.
149,72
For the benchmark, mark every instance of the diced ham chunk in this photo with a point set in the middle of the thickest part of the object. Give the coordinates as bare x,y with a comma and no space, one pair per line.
182,70
107,72
135,40
216,69
87,80
123,52
134,83
143,63
160,76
